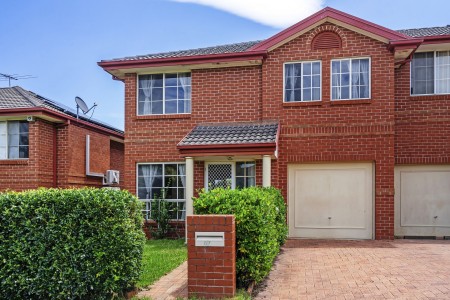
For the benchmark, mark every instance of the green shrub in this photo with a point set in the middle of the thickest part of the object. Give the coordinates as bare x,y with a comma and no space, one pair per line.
260,226
69,244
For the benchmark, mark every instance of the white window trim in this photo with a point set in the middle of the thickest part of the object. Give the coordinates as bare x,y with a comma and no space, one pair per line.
7,142
350,80
284,81
435,73
164,93
137,182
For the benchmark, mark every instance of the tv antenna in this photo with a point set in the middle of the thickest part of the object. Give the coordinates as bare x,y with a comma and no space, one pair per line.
9,77
84,108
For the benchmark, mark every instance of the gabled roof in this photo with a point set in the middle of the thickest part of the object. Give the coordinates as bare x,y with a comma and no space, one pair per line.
16,98
423,32
255,51
328,14
221,138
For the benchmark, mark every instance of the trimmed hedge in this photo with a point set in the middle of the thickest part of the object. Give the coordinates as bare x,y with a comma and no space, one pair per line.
69,244
260,226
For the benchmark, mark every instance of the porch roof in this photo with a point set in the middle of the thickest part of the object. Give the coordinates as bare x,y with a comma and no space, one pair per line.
259,137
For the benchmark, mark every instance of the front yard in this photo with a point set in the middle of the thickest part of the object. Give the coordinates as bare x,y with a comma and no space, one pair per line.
159,258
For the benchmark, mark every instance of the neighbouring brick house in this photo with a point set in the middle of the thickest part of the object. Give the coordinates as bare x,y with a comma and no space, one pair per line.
349,119
43,144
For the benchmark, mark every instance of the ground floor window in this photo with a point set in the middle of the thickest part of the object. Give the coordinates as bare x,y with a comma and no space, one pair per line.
162,181
230,174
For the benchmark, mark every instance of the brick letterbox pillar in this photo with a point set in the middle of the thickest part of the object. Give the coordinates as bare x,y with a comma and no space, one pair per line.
211,256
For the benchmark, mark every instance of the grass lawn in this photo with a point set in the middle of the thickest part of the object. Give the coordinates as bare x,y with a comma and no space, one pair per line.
160,257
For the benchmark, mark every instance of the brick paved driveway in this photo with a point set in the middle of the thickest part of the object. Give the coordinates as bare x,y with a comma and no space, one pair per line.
400,269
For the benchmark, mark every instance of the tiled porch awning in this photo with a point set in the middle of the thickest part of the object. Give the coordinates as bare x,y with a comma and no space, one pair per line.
255,138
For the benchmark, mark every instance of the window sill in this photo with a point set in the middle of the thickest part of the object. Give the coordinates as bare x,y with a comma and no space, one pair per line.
23,161
159,117
304,103
347,102
430,97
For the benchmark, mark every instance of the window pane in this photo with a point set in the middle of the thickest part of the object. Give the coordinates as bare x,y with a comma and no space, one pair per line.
157,107
157,94
3,152
13,152
335,67
184,79
345,94
250,181
307,68
307,95
316,81
24,127
422,73
171,79
171,93
171,107
170,169
315,94
345,66
240,169
23,151
316,68
443,72
240,182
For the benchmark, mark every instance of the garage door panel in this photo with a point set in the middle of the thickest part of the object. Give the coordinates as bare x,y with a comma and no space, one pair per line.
422,200
330,201
324,199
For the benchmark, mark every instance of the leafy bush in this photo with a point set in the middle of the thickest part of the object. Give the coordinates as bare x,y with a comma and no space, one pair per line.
260,226
69,244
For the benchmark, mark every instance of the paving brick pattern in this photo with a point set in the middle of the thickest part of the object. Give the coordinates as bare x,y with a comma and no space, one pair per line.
171,286
400,269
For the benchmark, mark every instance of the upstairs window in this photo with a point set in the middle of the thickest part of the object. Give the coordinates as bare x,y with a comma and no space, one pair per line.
160,94
350,79
302,81
13,139
430,73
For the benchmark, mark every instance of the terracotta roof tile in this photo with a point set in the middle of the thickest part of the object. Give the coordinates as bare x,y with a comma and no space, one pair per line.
232,133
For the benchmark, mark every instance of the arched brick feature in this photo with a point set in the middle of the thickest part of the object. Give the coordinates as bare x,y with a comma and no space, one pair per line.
326,37
326,40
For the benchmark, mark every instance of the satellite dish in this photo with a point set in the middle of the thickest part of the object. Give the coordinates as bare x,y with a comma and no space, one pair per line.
82,105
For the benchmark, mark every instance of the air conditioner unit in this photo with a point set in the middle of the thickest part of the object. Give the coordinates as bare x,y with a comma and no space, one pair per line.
111,177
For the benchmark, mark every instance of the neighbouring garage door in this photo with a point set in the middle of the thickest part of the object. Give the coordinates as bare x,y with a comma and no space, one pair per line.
422,200
331,201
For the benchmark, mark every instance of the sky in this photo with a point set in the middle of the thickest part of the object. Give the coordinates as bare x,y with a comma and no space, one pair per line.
60,42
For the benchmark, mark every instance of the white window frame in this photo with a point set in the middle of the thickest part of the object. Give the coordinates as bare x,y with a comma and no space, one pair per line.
301,89
164,93
7,141
233,171
149,200
434,71
350,79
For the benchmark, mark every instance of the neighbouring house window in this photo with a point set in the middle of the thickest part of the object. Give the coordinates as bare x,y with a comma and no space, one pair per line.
230,175
164,94
430,73
302,81
13,139
350,79
167,181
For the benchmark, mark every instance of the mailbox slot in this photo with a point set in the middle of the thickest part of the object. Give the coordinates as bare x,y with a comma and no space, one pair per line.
209,239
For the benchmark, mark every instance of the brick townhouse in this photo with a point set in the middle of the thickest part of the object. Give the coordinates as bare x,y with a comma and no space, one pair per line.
44,144
351,120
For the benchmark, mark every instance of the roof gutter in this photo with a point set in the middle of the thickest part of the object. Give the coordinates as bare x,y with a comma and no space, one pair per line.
43,111
170,61
228,149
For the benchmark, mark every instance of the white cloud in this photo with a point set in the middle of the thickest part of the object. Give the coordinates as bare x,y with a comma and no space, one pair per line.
276,13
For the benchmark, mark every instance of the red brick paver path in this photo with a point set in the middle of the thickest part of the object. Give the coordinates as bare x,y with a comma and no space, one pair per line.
170,286
400,269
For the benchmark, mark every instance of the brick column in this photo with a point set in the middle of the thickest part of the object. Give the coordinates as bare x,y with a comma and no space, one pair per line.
212,269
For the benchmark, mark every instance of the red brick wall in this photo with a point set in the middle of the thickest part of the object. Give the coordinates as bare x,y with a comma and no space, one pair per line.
219,95
37,170
212,270
117,158
422,124
338,131
75,155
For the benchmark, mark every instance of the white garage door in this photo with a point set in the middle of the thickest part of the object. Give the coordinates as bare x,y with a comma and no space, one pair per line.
422,200
331,201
